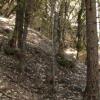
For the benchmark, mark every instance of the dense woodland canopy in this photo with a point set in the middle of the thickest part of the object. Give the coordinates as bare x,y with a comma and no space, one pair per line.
49,49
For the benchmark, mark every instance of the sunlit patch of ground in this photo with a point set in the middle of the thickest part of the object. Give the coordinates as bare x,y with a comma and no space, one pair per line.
3,19
71,52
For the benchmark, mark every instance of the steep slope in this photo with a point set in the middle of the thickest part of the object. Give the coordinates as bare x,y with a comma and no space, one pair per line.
34,83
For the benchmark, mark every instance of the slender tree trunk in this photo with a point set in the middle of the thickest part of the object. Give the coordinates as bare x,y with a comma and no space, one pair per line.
92,87
56,33
79,29
13,41
20,22
27,17
62,25
18,31
53,48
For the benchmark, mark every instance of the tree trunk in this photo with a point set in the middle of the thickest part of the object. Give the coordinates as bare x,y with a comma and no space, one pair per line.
62,24
92,87
28,14
20,22
18,31
79,30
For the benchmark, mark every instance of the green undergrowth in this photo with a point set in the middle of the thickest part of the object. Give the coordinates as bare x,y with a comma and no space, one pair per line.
62,61
18,53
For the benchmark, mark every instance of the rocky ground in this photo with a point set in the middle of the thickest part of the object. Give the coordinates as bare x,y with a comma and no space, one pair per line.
34,83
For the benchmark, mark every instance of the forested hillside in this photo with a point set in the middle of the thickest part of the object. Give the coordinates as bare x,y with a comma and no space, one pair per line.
49,50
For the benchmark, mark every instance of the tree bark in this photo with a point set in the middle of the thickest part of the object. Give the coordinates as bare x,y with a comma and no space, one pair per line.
27,17
18,31
20,22
79,29
92,87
